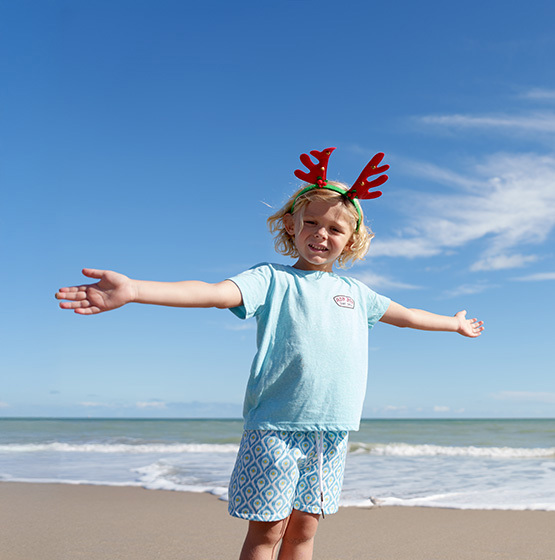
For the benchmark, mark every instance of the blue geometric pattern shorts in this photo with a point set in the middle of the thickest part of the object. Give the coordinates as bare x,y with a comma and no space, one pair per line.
278,471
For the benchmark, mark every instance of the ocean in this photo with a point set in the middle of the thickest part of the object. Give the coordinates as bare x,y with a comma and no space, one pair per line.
463,464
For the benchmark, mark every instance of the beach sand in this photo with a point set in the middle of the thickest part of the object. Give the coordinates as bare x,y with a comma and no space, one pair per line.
59,522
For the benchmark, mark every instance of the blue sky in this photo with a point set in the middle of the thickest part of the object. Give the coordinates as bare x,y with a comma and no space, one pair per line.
154,138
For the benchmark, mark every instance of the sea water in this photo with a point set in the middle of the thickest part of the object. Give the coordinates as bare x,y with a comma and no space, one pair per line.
465,464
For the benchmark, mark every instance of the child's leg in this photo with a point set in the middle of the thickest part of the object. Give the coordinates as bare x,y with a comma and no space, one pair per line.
298,541
296,534
262,540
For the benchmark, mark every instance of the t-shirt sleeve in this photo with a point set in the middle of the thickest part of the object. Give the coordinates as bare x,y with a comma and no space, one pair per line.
254,285
376,305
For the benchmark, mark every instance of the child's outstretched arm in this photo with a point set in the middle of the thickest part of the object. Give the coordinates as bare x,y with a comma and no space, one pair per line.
114,290
423,320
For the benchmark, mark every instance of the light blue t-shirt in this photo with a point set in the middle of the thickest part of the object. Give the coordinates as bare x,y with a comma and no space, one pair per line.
311,366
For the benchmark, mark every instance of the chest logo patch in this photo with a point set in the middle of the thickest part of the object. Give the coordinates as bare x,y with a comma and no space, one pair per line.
345,301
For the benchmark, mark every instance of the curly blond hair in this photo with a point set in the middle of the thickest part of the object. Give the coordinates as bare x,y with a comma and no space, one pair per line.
285,243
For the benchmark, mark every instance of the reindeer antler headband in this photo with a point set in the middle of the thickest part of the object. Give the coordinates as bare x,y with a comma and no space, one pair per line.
361,187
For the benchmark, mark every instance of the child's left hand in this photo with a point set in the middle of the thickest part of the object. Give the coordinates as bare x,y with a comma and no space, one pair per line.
469,327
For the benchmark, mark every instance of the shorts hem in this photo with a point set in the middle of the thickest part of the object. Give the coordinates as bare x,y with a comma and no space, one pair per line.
272,518
257,516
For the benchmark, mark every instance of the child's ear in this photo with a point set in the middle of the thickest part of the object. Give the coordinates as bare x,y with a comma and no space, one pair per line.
289,223
349,246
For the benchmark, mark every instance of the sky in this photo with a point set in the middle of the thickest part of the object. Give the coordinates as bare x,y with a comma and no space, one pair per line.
155,138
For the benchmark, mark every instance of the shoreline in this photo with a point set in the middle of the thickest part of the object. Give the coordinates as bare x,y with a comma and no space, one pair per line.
51,521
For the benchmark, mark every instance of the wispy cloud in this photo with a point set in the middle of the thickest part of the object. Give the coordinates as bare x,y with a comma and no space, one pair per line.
91,404
439,408
538,277
380,282
159,408
405,247
4,405
531,122
151,404
526,396
507,201
539,94
393,408
466,290
501,262
441,175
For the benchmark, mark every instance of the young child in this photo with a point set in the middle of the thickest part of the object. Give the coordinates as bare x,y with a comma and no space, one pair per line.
308,378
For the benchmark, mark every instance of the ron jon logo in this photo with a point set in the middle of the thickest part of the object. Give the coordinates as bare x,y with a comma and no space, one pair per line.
345,301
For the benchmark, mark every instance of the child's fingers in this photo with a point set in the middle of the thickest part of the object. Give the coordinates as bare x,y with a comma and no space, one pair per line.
77,304
87,311
77,294
93,273
73,292
69,289
82,307
477,327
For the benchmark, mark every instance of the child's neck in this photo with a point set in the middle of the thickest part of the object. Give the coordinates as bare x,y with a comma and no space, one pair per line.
309,267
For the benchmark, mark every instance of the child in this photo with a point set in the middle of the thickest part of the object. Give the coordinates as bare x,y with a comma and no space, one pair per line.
308,378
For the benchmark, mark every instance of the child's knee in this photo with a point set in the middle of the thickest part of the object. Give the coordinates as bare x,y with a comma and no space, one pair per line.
301,528
266,533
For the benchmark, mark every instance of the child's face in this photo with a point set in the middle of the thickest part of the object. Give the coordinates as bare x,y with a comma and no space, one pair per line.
321,235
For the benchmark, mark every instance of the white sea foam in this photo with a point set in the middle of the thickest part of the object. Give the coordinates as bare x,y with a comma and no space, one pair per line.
162,475
73,482
377,449
164,448
431,501
406,450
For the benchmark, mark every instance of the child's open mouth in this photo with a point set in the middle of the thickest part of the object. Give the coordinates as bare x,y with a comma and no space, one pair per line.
318,248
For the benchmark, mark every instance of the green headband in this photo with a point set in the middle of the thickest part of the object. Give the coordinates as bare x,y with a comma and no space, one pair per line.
339,190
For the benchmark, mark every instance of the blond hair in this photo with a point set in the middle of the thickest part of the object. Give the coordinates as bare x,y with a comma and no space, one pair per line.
285,243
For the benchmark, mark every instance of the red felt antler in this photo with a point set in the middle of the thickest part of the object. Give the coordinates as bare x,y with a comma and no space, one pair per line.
316,171
361,187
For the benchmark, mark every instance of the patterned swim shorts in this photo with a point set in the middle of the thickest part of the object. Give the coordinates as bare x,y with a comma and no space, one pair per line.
277,471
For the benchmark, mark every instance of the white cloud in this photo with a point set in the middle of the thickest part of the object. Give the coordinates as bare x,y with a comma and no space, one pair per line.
539,277
441,409
534,122
466,290
379,282
91,404
539,94
439,175
393,408
501,262
4,405
526,396
507,201
402,247
151,404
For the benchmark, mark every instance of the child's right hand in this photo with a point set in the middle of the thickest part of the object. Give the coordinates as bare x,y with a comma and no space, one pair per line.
112,291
